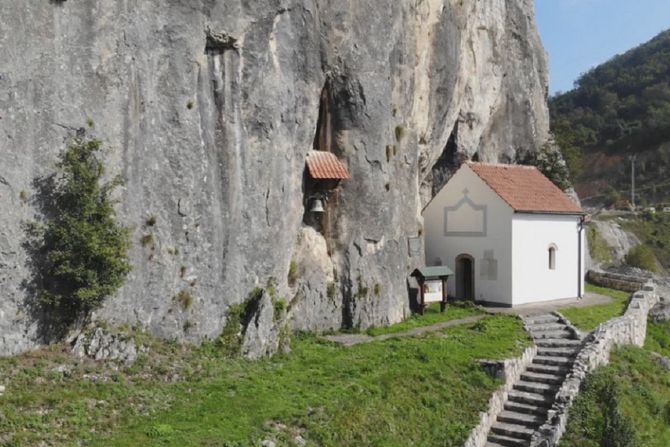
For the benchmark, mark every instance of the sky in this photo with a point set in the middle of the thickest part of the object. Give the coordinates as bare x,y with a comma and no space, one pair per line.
580,34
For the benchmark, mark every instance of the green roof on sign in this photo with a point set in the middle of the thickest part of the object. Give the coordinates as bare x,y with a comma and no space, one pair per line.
436,271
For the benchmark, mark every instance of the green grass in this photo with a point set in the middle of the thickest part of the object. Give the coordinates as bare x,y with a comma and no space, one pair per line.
432,315
424,390
658,338
628,398
588,318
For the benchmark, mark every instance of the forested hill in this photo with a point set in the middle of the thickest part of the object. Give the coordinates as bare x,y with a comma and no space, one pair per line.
617,109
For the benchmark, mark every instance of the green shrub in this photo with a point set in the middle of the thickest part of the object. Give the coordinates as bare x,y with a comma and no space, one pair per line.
377,289
400,133
363,290
231,337
24,196
293,271
642,257
550,162
331,290
147,239
184,298
85,249
279,308
151,221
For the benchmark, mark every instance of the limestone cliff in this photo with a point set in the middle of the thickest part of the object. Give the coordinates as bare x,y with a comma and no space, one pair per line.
208,109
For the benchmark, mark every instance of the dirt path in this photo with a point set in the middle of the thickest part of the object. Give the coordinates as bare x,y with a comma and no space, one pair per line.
589,299
357,339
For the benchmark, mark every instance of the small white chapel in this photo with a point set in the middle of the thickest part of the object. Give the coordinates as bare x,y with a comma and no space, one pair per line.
510,235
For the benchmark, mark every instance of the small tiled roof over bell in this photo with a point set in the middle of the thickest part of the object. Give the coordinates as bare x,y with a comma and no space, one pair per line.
325,165
525,188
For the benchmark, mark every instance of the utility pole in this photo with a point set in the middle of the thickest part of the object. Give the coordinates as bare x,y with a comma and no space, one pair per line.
632,179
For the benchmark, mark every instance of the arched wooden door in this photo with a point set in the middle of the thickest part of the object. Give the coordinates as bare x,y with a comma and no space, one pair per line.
465,277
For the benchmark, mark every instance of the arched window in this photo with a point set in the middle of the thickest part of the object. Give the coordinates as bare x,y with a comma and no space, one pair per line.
552,256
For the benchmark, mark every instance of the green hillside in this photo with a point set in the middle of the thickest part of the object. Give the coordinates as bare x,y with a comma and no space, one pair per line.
619,108
626,403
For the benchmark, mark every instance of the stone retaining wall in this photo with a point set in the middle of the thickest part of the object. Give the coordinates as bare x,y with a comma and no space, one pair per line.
511,372
617,281
629,329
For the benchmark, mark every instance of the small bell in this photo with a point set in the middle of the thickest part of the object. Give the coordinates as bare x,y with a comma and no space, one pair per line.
317,206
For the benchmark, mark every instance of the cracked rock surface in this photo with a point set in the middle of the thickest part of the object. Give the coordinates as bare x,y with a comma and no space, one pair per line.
208,109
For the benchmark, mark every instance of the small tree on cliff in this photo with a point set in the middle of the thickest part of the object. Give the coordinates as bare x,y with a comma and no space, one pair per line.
84,249
549,161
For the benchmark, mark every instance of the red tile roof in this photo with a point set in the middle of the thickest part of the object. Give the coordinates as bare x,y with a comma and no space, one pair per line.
525,188
325,165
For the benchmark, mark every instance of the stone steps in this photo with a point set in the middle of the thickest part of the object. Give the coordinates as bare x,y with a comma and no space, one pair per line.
512,430
536,387
533,394
546,327
556,352
540,319
551,379
557,361
547,369
512,417
505,441
564,333
527,398
524,408
558,342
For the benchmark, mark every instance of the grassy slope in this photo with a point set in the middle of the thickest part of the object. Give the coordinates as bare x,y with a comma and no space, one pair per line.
432,315
658,338
653,230
411,391
643,389
589,317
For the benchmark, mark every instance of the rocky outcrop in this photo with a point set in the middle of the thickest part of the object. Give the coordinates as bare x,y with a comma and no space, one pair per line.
618,240
262,328
661,311
662,360
208,108
99,344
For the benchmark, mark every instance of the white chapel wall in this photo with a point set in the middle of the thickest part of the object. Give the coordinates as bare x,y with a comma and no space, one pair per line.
533,280
467,217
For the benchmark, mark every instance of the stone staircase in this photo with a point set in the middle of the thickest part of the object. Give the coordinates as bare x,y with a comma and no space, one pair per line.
532,396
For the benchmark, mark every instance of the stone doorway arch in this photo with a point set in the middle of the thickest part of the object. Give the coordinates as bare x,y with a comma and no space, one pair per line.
465,277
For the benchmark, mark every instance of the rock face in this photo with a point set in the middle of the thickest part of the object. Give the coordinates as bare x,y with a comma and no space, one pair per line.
261,332
617,238
208,109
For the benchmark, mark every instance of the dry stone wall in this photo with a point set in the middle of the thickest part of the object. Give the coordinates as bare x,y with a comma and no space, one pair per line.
629,329
627,283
